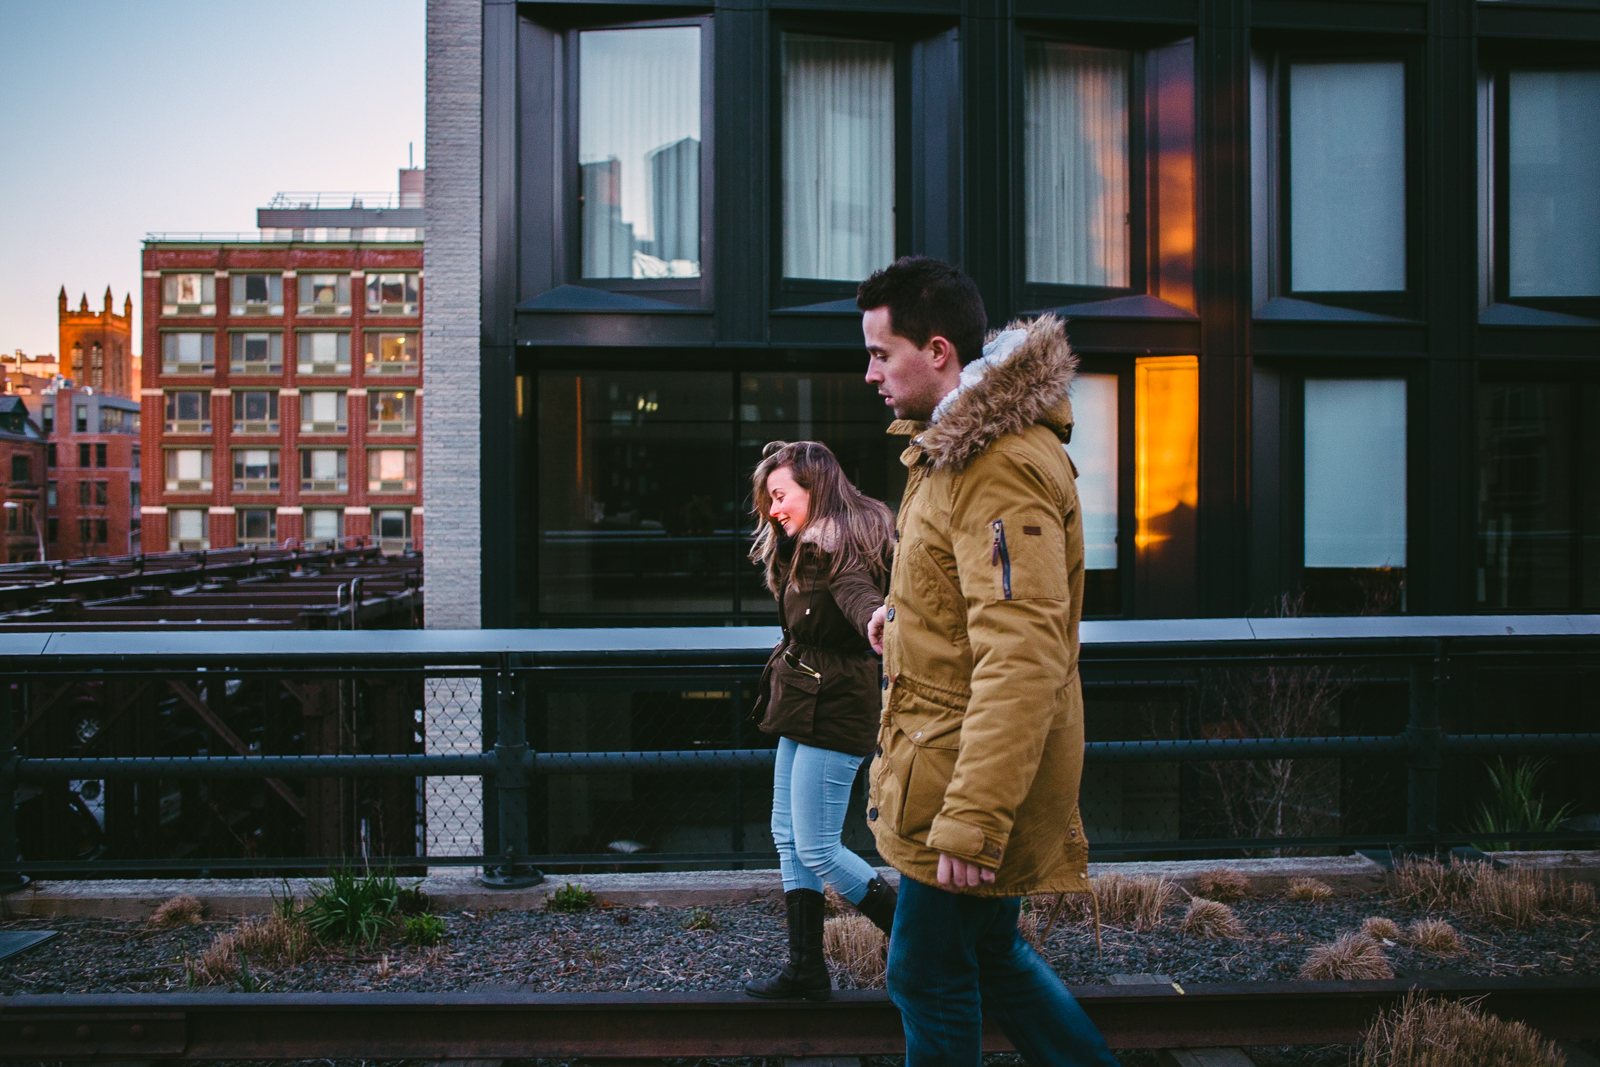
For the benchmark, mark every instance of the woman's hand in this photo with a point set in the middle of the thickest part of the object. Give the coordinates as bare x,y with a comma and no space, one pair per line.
875,628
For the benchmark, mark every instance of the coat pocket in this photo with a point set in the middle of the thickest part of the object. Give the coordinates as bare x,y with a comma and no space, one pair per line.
922,741
792,707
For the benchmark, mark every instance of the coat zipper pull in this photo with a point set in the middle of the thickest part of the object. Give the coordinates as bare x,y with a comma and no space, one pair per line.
1001,555
994,552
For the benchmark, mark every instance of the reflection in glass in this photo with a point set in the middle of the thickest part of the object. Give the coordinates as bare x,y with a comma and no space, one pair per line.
1166,460
838,157
1525,494
1076,170
1347,176
1094,452
639,152
1554,172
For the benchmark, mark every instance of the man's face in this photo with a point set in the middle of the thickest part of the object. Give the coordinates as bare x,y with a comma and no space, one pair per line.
910,379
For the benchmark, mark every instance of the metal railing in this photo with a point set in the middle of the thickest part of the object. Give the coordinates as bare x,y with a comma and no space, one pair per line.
509,665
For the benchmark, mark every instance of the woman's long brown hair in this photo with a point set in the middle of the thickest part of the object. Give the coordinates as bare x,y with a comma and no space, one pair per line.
857,529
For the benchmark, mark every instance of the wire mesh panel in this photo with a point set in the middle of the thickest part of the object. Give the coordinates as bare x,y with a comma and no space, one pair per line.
452,807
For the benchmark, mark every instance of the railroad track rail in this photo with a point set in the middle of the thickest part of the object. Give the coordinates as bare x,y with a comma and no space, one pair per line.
512,1022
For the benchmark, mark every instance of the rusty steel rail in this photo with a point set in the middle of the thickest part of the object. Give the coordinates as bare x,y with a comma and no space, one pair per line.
512,1022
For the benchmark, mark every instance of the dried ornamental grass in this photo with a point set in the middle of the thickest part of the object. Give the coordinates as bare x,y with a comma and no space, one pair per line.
181,910
1449,1033
1435,936
833,903
1309,891
1431,884
1209,919
1137,902
1353,957
1222,884
1381,929
856,948
1028,925
275,940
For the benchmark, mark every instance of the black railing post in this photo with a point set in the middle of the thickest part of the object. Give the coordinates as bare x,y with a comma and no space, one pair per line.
511,784
1423,744
10,880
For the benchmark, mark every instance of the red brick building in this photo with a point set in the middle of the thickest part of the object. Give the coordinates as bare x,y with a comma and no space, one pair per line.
282,378
94,460
97,346
22,466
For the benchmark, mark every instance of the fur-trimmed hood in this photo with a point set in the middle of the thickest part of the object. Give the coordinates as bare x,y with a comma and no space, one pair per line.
1023,378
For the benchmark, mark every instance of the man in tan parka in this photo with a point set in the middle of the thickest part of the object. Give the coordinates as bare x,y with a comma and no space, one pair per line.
974,789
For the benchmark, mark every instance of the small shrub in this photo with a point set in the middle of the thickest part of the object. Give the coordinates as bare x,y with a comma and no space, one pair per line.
1209,919
181,910
1430,884
1353,957
275,940
423,930
1450,1033
1137,902
569,899
1434,935
1515,804
1309,891
596,956
353,907
1512,895
412,901
1223,884
1381,929
699,919
857,949
285,906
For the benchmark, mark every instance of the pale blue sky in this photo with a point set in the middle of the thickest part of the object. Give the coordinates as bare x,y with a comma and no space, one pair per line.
121,117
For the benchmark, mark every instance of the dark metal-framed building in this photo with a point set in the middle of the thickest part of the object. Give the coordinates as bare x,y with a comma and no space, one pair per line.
1346,343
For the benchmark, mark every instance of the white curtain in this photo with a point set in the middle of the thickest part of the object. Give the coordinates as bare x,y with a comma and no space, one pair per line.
1355,472
1554,177
639,152
1347,176
1094,453
1075,170
838,157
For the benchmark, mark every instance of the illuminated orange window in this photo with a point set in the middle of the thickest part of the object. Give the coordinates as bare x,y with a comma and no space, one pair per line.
1166,447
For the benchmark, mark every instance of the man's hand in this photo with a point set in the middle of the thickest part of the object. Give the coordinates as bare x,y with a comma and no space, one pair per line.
961,874
875,628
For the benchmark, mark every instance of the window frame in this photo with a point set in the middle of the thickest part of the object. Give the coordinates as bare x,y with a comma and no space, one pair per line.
240,519
408,309
341,424
239,364
208,360
405,426
268,425
409,482
341,338
244,484
207,479
309,484
242,307
208,280
344,302
378,366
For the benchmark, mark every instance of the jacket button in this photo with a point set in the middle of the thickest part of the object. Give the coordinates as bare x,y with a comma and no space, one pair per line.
891,613
917,736
883,683
872,814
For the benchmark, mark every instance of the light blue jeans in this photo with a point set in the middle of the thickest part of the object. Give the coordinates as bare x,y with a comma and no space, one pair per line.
810,791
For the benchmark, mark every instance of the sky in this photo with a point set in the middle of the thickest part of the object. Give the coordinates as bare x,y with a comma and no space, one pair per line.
124,117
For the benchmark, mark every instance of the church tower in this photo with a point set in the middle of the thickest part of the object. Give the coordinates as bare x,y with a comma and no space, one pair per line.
96,347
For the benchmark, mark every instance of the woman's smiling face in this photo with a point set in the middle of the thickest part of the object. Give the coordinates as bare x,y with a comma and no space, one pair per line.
791,503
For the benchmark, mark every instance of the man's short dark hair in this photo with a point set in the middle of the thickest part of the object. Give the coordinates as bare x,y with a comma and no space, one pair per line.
928,298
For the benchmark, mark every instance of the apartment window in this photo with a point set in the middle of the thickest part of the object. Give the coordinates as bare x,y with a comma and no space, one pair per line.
393,527
324,353
133,496
85,493
86,531
255,469
1077,194
102,531
256,353
102,494
50,493
838,157
392,411
21,469
81,417
392,353
324,294
188,470
392,294
112,419
136,458
255,411
324,525
187,530
256,526
323,470
47,417
100,455
1355,495
188,294
640,166
19,519
323,411
257,294
391,470
187,353
52,527
50,455
84,454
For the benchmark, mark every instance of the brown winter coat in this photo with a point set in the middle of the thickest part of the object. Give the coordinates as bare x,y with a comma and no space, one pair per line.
820,686
981,739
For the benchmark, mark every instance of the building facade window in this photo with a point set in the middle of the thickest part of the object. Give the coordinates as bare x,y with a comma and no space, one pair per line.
50,491
393,529
80,419
323,411
85,454
187,353
392,411
256,294
323,470
100,454
52,527
391,470
255,411
324,294
133,496
187,530
85,493
188,412
256,353
324,353
256,526
393,294
102,494
392,353
188,470
640,167
188,294
50,455
21,469
255,470
324,525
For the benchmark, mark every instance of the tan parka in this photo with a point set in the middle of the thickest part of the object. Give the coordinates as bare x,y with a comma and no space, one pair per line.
980,743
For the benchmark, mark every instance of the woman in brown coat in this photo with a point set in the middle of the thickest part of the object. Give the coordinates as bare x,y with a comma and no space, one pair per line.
825,550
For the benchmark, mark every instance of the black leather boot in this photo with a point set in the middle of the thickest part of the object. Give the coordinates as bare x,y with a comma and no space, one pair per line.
807,973
878,904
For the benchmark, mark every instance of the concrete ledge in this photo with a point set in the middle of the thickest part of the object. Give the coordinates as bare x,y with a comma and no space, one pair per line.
457,889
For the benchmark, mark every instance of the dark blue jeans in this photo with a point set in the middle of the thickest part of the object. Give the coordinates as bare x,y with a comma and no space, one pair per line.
954,957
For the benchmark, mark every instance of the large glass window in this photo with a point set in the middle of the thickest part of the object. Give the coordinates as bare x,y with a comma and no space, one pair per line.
1075,169
838,157
256,526
186,530
392,294
1553,177
324,353
256,294
323,470
639,151
187,353
188,470
324,294
188,412
324,524
323,411
255,469
392,353
188,294
1347,176
1166,457
1094,451
1355,494
256,353
392,411
255,411
391,470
